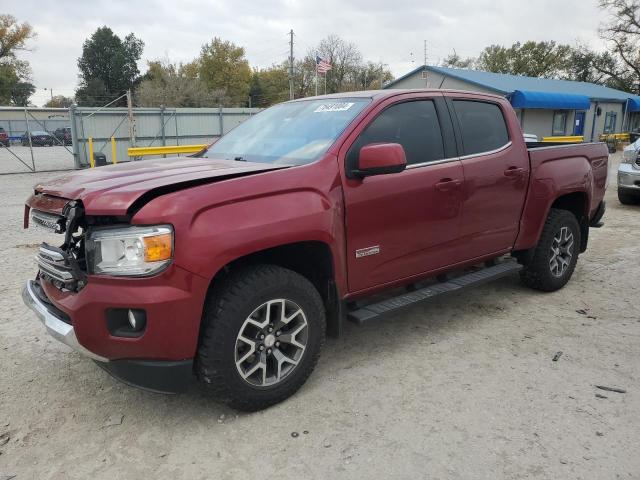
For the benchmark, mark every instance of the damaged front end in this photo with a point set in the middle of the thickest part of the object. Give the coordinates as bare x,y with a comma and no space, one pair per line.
64,266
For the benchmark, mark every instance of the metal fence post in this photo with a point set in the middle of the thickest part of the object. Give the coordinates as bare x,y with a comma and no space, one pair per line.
164,136
26,120
175,117
162,132
74,137
221,121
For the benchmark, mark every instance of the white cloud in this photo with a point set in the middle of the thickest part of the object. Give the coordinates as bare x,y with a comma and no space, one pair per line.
384,30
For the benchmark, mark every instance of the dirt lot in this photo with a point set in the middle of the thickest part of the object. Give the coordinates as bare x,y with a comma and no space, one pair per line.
462,388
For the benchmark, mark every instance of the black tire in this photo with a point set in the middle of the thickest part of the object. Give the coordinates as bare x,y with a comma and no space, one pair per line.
226,309
628,199
537,271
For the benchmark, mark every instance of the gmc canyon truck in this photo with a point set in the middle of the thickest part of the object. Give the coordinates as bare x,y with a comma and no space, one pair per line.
232,265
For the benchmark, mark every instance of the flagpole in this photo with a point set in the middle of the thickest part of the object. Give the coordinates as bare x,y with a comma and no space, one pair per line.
325,83
316,62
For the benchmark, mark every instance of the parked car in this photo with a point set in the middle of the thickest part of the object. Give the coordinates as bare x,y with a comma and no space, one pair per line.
63,135
38,139
232,266
629,174
4,137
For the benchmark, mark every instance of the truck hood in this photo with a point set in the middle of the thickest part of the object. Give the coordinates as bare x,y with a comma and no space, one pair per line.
115,189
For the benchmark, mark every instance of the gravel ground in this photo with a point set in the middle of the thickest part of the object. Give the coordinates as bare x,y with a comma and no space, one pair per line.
461,388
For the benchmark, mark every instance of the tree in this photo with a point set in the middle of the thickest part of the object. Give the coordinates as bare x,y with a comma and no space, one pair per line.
349,71
14,73
269,86
223,67
8,78
172,85
59,101
532,59
108,67
456,61
622,33
21,92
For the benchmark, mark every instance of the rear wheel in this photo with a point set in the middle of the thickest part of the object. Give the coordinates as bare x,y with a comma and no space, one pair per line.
554,258
262,332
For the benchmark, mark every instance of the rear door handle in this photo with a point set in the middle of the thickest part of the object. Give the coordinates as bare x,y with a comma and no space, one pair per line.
513,172
447,184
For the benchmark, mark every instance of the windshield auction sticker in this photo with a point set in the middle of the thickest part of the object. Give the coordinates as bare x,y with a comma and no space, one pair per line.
334,107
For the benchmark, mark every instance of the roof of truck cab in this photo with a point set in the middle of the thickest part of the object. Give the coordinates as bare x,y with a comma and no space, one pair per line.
378,94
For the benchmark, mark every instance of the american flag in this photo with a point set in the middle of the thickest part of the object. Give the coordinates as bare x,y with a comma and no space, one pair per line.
322,65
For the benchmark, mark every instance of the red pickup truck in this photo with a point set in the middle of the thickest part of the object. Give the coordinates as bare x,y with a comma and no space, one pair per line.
233,265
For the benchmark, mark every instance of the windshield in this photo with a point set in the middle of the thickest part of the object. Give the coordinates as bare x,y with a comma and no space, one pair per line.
290,133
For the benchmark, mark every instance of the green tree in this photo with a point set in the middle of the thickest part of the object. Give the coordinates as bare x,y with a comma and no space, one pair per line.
14,73
21,92
59,101
532,59
108,67
222,66
172,85
8,79
269,86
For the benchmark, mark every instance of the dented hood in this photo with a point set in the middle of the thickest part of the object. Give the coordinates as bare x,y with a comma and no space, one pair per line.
113,189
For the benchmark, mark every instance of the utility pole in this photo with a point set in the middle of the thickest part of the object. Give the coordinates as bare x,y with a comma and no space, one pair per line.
291,64
424,68
425,54
132,120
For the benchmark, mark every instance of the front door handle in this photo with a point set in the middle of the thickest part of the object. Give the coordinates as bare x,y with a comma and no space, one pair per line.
447,184
513,172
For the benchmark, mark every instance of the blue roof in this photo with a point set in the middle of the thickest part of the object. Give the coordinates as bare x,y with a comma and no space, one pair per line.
557,101
507,84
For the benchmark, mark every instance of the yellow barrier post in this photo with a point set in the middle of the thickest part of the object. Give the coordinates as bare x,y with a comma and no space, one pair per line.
114,159
92,161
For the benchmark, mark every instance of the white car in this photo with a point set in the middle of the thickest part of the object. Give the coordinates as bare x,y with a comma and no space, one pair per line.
629,174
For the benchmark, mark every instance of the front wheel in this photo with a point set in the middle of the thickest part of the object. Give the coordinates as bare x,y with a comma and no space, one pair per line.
262,332
627,199
554,258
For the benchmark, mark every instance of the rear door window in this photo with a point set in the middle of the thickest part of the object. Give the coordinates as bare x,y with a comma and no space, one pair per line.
482,125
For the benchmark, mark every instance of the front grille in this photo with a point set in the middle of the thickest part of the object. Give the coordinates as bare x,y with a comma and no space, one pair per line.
48,221
53,264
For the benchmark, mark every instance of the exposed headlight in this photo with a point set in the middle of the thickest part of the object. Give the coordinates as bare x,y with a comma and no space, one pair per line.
129,251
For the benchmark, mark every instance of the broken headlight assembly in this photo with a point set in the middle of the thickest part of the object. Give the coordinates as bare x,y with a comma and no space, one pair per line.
131,251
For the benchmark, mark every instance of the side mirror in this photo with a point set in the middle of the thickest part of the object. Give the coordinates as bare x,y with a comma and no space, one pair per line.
379,159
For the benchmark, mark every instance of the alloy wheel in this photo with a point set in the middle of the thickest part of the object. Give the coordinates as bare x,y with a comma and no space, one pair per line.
561,252
271,342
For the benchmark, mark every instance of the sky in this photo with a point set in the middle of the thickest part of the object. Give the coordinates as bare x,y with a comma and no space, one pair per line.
392,32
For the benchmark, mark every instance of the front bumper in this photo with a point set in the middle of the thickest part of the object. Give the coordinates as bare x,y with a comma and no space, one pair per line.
163,376
628,177
56,327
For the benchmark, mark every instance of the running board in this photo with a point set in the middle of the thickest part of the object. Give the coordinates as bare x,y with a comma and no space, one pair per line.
392,305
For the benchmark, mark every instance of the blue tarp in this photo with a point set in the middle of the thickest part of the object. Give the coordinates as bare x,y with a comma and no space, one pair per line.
549,100
634,104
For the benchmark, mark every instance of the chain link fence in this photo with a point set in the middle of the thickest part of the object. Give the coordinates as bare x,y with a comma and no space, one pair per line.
50,139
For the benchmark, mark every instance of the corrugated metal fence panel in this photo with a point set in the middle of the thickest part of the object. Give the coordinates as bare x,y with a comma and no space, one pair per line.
154,127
